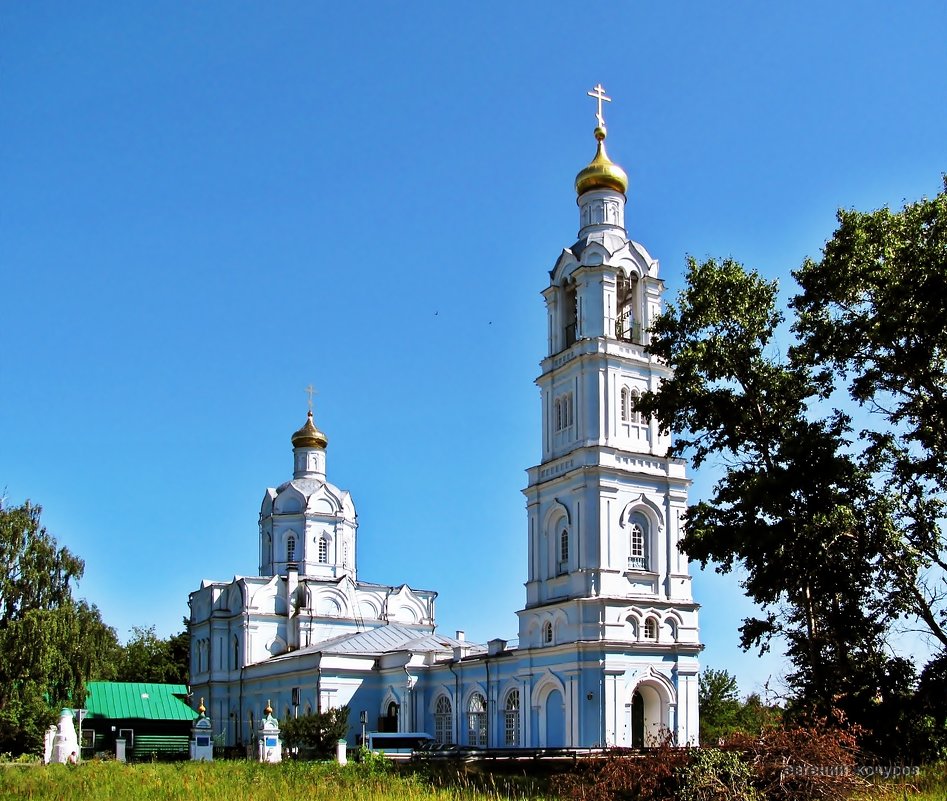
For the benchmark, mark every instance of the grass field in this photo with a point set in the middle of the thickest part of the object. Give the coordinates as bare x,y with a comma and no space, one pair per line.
221,781
313,781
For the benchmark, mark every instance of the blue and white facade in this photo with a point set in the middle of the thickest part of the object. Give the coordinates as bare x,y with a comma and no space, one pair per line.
608,636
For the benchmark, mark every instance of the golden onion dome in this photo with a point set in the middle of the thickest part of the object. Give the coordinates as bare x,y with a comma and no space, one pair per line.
602,172
309,436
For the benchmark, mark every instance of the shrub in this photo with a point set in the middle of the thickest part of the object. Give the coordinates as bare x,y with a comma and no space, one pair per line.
317,732
813,762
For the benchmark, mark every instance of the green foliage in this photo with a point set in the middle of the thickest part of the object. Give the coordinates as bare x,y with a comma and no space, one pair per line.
872,319
711,774
793,508
723,714
149,658
219,781
719,704
50,644
372,761
317,732
840,532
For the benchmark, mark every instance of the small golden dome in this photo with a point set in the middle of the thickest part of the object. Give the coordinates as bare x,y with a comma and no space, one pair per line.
202,709
309,436
602,172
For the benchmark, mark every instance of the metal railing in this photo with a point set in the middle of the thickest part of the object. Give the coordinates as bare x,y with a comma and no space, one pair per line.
627,330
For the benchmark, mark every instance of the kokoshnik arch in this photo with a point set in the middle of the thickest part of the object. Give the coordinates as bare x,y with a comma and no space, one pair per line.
608,637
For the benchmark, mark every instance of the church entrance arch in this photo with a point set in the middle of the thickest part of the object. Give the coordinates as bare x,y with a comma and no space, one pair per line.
389,721
647,714
555,720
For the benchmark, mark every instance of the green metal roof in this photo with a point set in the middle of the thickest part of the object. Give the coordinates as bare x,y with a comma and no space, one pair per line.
117,699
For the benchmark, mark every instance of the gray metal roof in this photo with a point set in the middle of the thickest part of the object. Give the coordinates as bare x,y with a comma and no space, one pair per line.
385,639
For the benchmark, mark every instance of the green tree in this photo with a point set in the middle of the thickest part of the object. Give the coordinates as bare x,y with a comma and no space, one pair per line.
719,700
146,657
317,732
50,644
793,508
872,318
723,714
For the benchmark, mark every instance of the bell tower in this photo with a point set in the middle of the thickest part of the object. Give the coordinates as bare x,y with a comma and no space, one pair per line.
605,503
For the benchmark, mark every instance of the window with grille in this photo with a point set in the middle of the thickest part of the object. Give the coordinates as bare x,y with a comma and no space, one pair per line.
634,415
625,405
477,721
650,629
564,551
323,550
511,719
547,632
638,543
443,728
291,549
564,413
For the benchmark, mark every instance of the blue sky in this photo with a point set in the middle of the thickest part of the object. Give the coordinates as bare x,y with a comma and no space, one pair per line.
207,206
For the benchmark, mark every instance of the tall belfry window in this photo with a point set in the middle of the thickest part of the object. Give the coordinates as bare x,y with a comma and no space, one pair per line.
564,551
569,316
291,549
627,326
563,412
323,550
629,407
638,543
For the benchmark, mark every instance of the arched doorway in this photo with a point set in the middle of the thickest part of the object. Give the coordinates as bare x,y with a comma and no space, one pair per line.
389,722
647,715
555,720
637,720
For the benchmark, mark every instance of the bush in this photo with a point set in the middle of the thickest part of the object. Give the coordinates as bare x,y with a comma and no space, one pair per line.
813,762
317,732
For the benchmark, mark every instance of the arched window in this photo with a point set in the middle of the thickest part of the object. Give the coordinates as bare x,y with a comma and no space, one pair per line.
477,721
564,551
558,415
236,653
291,549
511,719
391,717
627,328
443,728
625,405
635,415
569,316
569,417
651,629
323,550
547,632
638,543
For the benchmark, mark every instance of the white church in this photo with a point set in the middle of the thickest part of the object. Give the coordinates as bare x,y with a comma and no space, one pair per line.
608,636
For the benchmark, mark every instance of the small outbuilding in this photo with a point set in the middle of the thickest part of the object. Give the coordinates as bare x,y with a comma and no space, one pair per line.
154,720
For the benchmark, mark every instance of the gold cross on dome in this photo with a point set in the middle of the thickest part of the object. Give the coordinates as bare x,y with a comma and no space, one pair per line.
599,94
310,391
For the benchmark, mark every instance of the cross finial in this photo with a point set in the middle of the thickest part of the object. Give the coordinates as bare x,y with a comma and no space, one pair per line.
599,94
310,391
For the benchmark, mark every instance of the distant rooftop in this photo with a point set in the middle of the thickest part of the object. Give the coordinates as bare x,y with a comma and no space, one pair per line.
141,701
